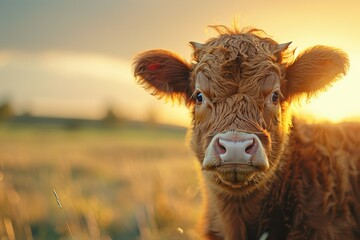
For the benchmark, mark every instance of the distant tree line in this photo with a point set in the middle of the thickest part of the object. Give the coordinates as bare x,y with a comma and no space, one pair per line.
6,111
111,118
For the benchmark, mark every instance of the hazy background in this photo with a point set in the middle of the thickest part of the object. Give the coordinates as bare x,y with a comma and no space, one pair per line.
72,118
73,58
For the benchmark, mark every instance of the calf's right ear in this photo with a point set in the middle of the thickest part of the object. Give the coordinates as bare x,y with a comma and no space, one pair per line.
164,74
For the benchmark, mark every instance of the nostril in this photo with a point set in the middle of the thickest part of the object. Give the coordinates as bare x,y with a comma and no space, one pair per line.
220,149
251,148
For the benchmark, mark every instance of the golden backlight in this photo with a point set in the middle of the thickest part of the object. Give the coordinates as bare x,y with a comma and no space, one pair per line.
341,101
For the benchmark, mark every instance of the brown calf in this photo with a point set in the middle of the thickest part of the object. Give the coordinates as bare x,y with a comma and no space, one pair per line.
266,175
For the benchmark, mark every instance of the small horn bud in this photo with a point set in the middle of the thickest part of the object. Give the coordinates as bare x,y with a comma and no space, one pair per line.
283,46
196,46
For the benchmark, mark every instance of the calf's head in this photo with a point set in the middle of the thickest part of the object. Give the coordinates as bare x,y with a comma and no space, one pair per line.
239,87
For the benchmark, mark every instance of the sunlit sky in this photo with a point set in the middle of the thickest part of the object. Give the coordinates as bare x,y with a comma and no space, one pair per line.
73,58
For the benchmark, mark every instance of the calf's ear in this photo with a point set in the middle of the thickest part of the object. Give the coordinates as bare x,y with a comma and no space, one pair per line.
314,70
163,74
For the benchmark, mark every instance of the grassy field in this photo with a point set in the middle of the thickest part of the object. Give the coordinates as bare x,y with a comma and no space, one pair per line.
112,183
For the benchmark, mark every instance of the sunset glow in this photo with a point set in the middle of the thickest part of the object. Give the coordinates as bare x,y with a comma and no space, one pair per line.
339,102
93,73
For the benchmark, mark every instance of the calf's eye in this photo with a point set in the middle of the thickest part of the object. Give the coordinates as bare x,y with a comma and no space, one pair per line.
199,98
275,97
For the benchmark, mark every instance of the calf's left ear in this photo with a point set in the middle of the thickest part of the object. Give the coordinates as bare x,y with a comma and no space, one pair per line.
314,70
163,74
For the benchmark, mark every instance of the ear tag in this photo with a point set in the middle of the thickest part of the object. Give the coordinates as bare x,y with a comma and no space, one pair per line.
153,66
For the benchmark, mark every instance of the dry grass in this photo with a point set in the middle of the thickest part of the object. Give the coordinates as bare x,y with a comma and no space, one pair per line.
113,184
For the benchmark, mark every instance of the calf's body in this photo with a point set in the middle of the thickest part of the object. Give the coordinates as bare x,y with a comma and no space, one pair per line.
313,195
266,175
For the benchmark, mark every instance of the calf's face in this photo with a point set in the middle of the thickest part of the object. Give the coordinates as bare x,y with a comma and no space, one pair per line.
239,88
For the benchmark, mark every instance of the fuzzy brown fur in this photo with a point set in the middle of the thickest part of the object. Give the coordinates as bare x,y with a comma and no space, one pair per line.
243,81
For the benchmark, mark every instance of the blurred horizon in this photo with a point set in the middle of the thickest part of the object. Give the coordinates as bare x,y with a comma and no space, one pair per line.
73,59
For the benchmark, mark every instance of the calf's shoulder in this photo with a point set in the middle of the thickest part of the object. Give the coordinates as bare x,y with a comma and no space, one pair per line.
321,179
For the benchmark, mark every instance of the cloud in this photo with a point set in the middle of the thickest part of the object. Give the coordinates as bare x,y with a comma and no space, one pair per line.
87,65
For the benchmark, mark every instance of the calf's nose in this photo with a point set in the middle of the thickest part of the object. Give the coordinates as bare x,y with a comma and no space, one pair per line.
236,148
236,151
